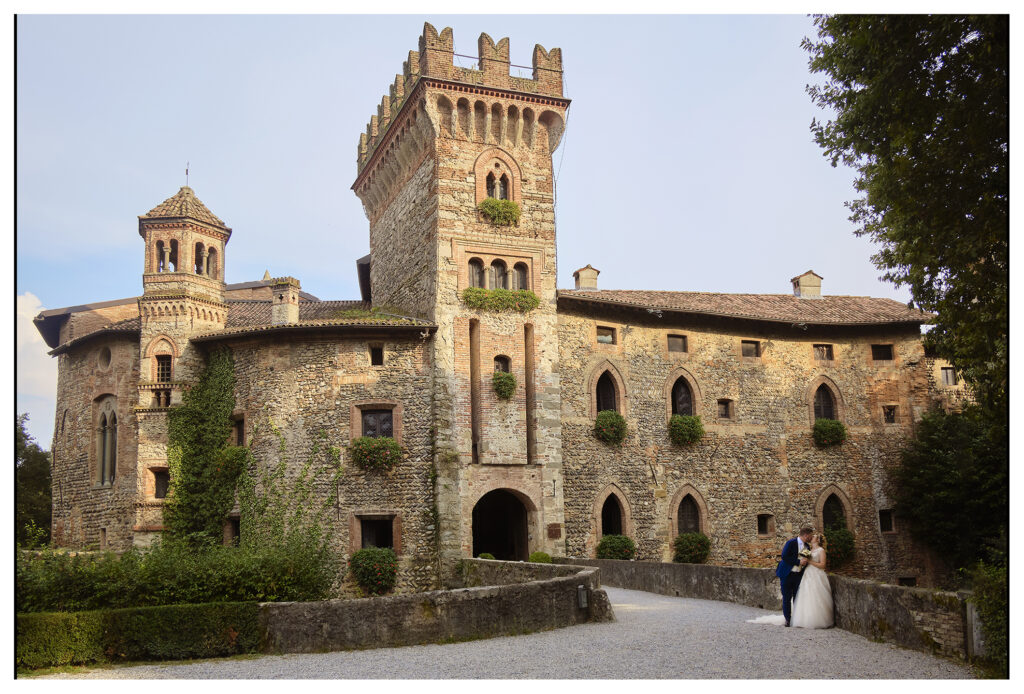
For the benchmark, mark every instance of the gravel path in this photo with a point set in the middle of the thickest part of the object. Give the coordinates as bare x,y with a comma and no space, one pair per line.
653,637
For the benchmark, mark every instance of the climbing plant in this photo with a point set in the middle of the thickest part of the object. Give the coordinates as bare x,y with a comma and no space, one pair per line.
204,469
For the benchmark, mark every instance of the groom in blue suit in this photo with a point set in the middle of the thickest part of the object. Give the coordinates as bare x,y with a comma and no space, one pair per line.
790,569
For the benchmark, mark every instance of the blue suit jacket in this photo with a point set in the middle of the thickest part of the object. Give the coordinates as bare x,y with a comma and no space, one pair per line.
790,558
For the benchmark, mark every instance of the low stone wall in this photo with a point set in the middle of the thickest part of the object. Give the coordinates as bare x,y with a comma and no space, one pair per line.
754,587
917,618
504,598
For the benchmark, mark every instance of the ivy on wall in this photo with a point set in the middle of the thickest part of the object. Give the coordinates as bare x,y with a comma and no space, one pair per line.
497,300
204,469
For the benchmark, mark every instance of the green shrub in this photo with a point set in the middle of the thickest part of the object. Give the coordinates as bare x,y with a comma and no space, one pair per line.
504,384
839,547
829,432
991,595
501,213
379,454
616,547
685,429
375,569
144,633
691,548
498,300
171,573
610,427
540,558
485,555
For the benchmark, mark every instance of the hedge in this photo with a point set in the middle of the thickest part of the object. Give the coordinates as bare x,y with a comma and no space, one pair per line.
616,547
375,569
691,548
685,429
168,632
610,427
829,432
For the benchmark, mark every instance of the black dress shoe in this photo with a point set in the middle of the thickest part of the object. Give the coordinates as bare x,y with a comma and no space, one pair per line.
787,624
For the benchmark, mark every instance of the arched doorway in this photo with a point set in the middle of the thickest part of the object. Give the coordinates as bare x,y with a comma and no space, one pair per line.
833,514
500,526
611,516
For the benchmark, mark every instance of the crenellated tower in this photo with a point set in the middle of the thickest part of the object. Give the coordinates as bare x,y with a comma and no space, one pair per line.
444,139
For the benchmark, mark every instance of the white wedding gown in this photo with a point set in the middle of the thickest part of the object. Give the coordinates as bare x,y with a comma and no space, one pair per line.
812,607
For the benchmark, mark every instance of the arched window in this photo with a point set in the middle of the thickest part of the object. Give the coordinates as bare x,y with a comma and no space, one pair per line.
522,276
611,516
174,257
492,187
476,273
500,271
501,363
200,259
688,515
606,393
503,186
682,398
824,403
106,441
833,513
211,263
160,260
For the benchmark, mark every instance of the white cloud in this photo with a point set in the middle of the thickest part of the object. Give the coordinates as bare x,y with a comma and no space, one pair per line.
36,372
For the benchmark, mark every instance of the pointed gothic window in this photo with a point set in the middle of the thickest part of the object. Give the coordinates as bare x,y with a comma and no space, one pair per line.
503,187
824,403
606,393
682,398
688,516
492,191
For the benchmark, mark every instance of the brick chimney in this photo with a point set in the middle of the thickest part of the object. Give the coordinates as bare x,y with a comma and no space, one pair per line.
285,305
586,277
807,285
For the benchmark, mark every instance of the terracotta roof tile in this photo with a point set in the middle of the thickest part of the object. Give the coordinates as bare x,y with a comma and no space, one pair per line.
184,203
128,325
787,308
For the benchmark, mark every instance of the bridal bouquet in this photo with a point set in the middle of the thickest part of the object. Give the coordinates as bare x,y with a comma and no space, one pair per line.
806,554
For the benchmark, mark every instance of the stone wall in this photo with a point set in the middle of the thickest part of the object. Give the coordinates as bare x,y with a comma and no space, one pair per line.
763,459
437,616
924,620
86,513
310,389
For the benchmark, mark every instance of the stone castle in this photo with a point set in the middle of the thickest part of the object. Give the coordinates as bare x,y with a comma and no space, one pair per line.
411,360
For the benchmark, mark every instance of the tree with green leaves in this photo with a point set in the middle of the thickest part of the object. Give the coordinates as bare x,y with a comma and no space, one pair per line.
921,111
32,487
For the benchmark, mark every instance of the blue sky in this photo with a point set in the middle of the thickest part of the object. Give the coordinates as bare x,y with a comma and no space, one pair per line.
687,162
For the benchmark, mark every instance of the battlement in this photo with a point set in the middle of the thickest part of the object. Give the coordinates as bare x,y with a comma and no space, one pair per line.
436,59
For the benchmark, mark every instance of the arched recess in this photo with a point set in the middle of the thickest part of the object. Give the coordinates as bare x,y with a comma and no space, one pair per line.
549,134
830,491
497,161
445,112
161,344
503,522
837,397
621,399
670,383
212,267
612,491
688,490
464,119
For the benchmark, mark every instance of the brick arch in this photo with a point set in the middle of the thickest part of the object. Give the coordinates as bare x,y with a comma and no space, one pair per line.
673,510
612,489
819,507
151,348
484,164
621,399
533,517
837,396
691,381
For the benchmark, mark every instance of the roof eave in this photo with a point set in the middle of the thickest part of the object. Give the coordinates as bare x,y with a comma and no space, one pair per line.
361,328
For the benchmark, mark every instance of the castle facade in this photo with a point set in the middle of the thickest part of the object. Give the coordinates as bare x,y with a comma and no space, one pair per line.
411,359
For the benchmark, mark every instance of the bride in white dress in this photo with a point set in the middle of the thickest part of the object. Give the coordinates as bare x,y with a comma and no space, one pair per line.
812,607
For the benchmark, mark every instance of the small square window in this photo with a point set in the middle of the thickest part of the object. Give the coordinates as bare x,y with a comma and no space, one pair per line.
677,343
750,348
163,368
377,423
376,355
765,524
377,532
889,414
885,522
949,376
605,336
881,352
161,482
908,581
725,409
823,352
